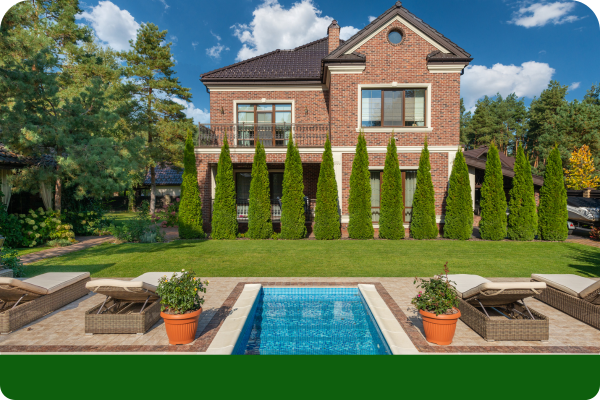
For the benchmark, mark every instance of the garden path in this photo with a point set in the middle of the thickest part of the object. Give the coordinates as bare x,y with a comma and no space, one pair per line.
84,243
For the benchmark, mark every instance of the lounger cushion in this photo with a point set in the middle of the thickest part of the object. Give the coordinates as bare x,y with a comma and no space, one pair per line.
98,283
153,277
574,285
471,285
465,282
12,284
54,281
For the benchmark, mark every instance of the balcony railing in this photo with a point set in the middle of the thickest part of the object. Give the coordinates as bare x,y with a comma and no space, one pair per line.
270,135
243,206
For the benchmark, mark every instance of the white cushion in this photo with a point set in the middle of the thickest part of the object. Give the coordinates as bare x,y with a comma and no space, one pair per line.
98,283
153,277
465,282
54,281
574,285
471,285
15,284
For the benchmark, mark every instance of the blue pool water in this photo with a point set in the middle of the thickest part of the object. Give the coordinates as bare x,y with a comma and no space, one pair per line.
311,321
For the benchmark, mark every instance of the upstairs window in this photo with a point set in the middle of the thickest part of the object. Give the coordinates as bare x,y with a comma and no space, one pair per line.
393,108
264,113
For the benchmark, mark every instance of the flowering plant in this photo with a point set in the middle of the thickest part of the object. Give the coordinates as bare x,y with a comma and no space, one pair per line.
39,226
167,215
181,293
438,295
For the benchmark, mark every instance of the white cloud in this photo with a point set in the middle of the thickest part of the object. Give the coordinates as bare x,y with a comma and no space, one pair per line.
526,80
540,14
164,3
372,18
194,44
215,51
174,39
574,85
190,111
215,35
274,27
114,27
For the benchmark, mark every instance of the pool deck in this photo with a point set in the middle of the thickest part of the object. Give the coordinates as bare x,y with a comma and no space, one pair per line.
63,330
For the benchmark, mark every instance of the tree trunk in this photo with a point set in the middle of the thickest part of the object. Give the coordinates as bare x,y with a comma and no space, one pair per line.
152,190
58,195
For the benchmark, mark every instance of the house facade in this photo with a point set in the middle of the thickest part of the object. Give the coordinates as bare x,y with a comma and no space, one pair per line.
397,76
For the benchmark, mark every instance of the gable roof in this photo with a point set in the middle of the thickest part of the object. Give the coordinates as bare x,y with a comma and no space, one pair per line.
301,63
165,176
11,159
397,10
477,158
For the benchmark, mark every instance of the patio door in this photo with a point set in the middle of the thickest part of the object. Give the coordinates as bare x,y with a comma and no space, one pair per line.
409,184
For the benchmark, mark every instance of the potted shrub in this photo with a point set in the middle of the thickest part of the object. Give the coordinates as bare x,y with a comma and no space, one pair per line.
437,303
181,305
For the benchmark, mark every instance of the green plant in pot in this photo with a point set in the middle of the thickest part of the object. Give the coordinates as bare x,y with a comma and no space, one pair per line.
181,304
437,303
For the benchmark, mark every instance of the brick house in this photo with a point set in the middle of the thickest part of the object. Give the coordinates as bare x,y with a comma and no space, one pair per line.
397,75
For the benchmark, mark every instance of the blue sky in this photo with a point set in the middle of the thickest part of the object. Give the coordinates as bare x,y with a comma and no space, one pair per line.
517,46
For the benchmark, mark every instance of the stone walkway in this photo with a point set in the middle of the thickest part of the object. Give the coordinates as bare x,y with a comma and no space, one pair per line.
583,240
85,242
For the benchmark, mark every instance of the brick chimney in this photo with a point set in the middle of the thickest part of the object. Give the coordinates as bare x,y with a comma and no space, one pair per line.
333,36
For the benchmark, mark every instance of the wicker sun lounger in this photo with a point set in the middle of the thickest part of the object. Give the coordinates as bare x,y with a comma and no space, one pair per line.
130,306
572,294
497,310
22,302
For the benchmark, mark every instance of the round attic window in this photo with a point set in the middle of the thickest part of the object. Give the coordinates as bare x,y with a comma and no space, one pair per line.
395,37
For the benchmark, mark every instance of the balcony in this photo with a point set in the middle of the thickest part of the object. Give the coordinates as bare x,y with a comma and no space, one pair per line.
270,135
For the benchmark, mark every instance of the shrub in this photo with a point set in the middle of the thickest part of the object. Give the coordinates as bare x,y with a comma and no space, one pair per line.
259,209
522,219
360,225
9,259
179,295
493,199
391,219
438,295
327,214
85,223
423,224
190,207
293,218
552,213
595,234
139,229
459,204
10,227
39,226
167,215
59,243
224,217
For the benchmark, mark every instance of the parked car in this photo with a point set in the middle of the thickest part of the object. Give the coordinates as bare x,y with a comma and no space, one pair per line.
584,213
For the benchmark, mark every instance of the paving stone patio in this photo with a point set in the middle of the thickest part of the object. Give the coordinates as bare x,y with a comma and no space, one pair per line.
63,330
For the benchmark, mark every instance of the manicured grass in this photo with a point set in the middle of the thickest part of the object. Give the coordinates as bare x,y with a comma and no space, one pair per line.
28,250
120,216
342,258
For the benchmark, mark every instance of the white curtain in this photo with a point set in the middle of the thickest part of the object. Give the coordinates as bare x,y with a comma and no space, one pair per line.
6,188
46,194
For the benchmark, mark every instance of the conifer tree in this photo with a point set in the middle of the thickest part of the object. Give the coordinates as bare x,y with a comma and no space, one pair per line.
150,71
423,224
493,199
522,217
327,213
293,218
360,225
552,213
260,225
459,204
190,207
391,218
224,218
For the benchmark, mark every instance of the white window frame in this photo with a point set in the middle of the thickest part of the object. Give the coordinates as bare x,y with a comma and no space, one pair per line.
395,85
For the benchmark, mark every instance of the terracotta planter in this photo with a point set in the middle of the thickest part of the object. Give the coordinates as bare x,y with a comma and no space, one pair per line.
439,329
181,329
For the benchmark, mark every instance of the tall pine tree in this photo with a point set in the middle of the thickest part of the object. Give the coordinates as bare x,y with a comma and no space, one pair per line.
190,207
459,204
552,213
522,219
391,219
150,70
293,218
224,218
260,225
360,225
423,224
493,199
327,214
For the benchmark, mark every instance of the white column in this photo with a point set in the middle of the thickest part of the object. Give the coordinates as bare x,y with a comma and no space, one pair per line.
472,183
6,188
451,157
337,167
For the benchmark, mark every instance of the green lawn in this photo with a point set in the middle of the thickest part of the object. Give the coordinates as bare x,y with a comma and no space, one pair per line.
28,250
342,258
120,216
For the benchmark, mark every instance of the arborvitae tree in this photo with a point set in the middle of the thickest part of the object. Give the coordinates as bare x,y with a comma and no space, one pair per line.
423,224
493,199
260,225
360,225
391,217
190,207
522,219
224,218
327,212
459,204
553,213
293,218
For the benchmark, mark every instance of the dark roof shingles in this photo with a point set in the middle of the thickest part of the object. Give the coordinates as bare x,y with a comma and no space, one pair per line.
166,176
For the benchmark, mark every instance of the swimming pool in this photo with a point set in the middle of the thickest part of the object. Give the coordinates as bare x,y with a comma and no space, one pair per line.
333,321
